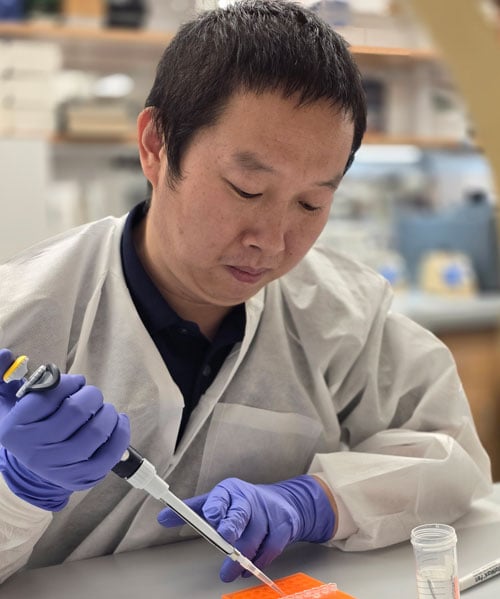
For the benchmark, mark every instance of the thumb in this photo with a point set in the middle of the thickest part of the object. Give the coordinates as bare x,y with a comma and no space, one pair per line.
7,390
6,359
169,518
230,570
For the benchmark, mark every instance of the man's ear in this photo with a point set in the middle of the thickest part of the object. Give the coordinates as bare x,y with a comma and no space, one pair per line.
151,150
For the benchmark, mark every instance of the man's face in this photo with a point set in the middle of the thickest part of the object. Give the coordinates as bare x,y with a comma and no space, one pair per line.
255,194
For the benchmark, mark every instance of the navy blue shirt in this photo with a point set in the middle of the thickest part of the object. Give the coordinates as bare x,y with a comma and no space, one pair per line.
192,360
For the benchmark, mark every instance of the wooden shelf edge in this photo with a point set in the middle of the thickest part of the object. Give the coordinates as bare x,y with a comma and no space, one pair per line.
61,32
54,31
396,52
128,140
414,140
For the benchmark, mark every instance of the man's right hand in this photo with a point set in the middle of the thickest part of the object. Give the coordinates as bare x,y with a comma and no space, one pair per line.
57,441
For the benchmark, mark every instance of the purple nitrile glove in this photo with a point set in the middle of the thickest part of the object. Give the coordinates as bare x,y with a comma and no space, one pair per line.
261,520
57,441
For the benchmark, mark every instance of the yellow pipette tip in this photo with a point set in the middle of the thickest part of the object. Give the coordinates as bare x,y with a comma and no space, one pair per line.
16,370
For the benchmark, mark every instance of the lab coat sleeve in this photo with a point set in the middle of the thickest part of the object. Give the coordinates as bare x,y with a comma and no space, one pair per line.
21,525
412,454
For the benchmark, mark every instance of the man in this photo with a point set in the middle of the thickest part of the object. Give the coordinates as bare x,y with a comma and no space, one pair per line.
270,375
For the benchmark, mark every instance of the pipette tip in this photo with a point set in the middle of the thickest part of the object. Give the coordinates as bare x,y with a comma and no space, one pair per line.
252,568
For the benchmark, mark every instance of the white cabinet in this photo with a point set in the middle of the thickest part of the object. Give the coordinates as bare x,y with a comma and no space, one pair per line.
25,176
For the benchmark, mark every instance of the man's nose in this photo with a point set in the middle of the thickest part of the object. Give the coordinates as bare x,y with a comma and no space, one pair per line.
267,231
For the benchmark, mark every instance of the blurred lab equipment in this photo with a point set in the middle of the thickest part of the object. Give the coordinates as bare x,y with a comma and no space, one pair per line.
335,12
391,266
11,10
376,101
43,9
125,13
99,118
468,228
28,76
434,548
88,13
447,273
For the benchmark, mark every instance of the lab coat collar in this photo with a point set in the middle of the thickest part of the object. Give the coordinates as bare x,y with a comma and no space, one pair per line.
254,308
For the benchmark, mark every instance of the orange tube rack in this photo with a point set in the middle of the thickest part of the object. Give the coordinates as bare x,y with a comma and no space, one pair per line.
296,586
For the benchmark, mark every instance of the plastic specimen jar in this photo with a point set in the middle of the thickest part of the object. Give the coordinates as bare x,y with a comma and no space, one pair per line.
435,550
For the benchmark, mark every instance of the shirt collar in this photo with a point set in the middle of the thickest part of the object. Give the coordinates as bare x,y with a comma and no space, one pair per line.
152,307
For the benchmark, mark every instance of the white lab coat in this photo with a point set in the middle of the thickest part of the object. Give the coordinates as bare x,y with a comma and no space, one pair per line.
327,380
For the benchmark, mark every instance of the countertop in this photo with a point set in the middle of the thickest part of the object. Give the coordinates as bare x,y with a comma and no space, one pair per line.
446,314
190,569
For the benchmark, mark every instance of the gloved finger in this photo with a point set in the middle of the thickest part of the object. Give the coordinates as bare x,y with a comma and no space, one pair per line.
85,441
248,544
272,545
169,518
36,451
8,397
85,474
6,359
230,514
230,570
217,503
111,452
73,412
36,405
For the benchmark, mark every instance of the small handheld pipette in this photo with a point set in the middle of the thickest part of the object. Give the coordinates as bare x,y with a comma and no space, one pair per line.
141,474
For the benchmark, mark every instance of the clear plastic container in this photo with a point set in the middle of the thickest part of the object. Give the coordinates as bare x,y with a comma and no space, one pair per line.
435,550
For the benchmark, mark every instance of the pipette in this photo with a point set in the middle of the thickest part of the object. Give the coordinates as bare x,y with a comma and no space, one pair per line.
141,474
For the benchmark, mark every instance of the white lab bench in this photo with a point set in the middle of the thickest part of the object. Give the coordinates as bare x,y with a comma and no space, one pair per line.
190,569
441,313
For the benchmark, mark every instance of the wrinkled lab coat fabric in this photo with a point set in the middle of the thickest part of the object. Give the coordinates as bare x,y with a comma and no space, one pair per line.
327,380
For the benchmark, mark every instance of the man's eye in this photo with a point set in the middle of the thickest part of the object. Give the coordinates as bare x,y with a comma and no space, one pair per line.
309,207
244,194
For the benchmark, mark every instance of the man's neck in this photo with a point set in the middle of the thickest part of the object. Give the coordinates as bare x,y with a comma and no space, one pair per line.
208,317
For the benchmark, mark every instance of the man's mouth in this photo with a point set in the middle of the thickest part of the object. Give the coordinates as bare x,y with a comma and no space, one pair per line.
247,274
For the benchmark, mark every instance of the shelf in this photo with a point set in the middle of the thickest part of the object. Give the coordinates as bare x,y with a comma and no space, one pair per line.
394,52
56,32
412,140
84,49
138,50
127,140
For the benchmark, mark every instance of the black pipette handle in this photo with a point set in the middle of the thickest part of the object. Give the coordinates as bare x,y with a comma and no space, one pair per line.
129,464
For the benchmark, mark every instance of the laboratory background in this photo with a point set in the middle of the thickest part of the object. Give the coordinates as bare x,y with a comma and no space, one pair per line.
419,204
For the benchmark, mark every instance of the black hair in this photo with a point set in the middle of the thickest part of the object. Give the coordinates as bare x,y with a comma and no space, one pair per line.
257,46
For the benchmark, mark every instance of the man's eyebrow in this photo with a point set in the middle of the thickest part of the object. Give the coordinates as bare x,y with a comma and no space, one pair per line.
331,183
251,162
